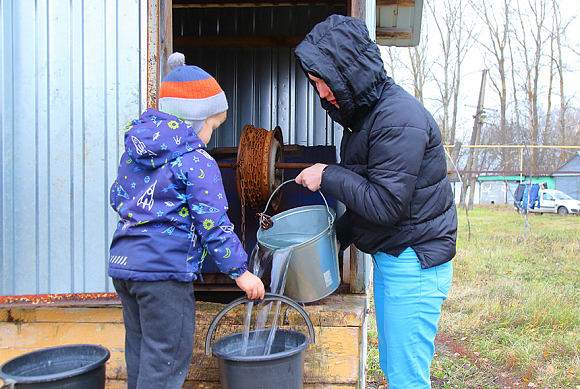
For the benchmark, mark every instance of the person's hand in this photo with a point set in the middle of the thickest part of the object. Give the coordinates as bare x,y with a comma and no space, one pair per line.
311,177
251,284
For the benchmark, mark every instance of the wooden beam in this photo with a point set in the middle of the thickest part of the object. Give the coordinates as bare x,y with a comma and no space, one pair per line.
238,41
159,46
393,33
399,3
165,36
357,9
357,270
153,76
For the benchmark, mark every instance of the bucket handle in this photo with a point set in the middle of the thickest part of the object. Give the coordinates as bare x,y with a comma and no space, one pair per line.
284,183
267,297
7,383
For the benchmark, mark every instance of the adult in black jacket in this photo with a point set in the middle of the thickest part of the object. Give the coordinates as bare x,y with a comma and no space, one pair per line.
393,180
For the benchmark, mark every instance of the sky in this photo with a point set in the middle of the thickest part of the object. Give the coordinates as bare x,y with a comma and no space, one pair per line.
473,65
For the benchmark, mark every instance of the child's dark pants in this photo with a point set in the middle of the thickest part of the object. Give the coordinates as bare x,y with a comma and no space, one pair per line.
159,321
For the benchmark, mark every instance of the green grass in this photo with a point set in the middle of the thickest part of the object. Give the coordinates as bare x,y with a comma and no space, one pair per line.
514,305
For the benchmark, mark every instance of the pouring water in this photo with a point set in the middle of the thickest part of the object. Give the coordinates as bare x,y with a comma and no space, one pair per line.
275,261
300,243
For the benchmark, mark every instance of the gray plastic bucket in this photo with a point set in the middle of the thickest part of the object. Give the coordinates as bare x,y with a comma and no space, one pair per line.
313,269
79,366
283,368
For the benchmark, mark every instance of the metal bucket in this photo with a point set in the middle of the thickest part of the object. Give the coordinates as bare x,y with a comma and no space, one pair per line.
282,368
313,269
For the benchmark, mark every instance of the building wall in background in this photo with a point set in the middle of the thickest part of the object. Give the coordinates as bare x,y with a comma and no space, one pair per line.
569,183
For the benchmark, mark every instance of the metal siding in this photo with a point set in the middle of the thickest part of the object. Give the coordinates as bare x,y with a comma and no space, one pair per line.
42,151
264,90
6,169
283,97
245,108
22,149
81,71
569,184
227,75
59,134
265,86
78,71
77,145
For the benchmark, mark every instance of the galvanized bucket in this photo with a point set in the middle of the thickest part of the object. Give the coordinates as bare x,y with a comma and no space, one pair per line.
313,269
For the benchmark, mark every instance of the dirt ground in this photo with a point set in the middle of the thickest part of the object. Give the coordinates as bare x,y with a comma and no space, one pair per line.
485,376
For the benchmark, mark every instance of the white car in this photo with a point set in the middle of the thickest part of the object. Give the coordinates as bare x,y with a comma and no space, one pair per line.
555,201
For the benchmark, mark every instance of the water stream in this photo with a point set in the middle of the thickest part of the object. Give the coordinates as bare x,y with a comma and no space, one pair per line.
272,264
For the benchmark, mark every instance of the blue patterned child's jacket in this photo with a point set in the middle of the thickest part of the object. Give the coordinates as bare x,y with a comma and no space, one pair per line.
172,206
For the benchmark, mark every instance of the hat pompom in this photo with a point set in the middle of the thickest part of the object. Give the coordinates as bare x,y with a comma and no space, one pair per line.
176,59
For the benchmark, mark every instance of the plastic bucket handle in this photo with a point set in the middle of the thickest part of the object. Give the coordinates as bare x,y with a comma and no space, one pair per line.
8,384
284,183
267,297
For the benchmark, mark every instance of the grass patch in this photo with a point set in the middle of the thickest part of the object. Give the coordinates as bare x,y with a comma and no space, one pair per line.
514,305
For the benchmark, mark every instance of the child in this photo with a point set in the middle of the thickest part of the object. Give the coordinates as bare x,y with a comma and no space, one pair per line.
172,209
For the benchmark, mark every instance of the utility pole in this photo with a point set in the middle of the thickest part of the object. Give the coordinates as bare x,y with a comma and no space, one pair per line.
469,179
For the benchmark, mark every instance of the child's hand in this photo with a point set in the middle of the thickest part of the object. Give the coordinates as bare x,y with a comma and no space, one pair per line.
252,285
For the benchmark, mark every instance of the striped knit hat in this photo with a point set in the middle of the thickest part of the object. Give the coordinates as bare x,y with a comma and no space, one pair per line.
190,93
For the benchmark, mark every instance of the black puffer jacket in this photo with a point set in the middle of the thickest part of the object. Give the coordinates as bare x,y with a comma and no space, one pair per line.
392,176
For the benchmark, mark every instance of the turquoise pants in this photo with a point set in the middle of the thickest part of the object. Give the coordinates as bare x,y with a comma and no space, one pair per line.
408,306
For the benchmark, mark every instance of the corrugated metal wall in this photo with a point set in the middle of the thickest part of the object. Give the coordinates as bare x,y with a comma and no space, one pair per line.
264,85
70,75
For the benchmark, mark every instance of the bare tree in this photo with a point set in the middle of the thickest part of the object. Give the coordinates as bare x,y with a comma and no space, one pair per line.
449,18
391,60
496,20
524,46
530,39
418,60
417,63
560,69
559,34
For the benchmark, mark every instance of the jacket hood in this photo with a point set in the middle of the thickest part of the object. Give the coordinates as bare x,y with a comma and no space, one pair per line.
340,51
157,138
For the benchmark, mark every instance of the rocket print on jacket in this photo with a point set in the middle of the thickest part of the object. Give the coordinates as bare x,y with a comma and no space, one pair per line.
170,198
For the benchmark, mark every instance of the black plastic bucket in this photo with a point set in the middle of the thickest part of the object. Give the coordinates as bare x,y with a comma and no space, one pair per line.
282,368
79,366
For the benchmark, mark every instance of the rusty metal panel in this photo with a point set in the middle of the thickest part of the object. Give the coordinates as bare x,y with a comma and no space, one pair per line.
70,77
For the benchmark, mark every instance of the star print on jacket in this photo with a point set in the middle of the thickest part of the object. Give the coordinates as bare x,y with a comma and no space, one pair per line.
169,196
